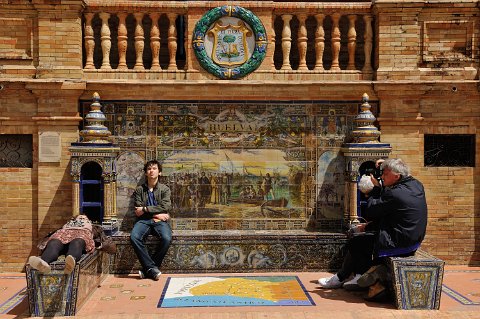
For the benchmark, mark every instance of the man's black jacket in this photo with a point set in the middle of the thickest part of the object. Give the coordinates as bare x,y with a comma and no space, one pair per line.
399,213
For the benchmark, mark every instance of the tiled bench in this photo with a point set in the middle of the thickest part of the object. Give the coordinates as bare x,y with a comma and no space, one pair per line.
237,251
417,280
57,294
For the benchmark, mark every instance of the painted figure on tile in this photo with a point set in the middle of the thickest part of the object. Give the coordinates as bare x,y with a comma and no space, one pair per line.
268,187
225,189
215,186
152,206
205,189
76,237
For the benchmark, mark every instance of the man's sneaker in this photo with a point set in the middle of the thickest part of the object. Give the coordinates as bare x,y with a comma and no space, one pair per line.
154,274
39,264
330,282
352,284
141,274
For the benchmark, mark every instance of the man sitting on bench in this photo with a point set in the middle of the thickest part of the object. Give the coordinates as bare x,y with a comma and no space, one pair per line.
397,221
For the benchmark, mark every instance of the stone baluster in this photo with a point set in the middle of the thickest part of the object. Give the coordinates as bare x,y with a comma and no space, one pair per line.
272,41
122,41
302,42
155,41
172,41
319,42
89,41
286,41
352,41
335,41
367,68
106,40
139,42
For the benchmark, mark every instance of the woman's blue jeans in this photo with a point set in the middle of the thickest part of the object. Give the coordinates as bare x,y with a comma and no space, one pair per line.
139,234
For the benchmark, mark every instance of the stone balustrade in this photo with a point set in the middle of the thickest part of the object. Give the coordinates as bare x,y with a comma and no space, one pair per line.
316,40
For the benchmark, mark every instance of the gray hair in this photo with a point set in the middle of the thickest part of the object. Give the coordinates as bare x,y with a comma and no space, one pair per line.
396,165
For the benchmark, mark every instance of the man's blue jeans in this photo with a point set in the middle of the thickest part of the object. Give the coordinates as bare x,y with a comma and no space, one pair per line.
139,234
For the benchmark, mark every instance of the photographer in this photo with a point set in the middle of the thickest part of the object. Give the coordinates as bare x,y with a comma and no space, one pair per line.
397,213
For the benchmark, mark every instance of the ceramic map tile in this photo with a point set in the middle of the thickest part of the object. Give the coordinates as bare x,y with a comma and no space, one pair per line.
234,291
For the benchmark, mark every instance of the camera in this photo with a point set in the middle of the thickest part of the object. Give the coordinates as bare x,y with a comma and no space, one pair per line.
376,172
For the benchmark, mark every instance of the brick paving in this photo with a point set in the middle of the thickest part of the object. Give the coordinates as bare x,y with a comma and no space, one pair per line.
128,297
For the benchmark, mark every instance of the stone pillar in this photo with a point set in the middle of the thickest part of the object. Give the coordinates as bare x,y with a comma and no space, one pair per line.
272,41
122,41
139,42
89,41
155,41
286,41
76,195
367,68
352,41
172,41
319,42
302,42
335,41
106,40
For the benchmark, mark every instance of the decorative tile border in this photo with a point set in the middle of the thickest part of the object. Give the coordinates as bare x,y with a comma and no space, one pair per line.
458,297
13,301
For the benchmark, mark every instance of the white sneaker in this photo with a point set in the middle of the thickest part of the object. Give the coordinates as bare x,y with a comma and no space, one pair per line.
141,274
39,264
352,284
330,282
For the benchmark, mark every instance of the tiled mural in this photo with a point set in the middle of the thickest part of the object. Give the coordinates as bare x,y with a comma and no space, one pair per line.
236,165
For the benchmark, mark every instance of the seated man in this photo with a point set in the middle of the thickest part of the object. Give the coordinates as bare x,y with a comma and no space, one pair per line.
152,203
397,215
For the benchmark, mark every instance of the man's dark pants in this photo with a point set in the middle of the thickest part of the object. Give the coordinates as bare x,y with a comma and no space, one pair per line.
140,231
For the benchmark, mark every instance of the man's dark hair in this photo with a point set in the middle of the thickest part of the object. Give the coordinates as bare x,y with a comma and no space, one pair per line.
150,163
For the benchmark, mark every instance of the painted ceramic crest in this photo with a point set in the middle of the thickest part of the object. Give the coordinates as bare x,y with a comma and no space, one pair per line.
229,42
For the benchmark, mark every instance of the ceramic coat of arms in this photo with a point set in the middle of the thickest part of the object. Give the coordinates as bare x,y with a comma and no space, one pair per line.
229,42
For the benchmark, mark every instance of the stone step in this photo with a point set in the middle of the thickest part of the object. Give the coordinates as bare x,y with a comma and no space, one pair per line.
238,251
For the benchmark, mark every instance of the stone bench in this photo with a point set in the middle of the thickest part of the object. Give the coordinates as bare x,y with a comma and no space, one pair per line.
57,294
417,280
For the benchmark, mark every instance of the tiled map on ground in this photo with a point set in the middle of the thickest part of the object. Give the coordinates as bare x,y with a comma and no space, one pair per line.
234,291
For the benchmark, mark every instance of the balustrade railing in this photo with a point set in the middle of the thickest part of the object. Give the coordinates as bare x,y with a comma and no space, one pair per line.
337,39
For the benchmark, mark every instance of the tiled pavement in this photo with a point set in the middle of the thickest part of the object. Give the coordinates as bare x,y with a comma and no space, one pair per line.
129,297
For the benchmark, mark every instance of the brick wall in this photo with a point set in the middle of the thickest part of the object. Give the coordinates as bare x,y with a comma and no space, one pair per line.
417,71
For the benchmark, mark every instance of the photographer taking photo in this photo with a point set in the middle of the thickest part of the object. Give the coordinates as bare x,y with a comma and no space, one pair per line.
397,215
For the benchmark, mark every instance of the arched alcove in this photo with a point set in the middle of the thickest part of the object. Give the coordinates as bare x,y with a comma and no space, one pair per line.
91,191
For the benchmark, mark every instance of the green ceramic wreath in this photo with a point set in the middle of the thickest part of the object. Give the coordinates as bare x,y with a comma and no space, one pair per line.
238,71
